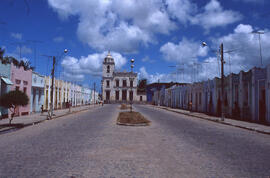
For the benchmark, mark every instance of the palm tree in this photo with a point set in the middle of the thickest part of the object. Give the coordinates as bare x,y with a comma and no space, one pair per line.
2,51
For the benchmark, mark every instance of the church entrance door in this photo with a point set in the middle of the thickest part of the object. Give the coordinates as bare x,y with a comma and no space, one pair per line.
107,95
124,95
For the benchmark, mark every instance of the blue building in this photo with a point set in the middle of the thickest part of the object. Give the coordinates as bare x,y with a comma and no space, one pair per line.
151,88
37,92
4,84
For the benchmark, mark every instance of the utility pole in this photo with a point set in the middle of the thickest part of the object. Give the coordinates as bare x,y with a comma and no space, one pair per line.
94,93
50,112
52,86
222,76
222,81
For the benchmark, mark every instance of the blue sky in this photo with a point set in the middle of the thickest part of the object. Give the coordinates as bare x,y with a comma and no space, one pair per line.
156,33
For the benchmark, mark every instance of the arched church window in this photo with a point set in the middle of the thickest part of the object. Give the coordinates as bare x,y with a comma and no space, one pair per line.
108,69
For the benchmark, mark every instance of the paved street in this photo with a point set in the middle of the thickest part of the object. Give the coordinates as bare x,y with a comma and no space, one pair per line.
90,144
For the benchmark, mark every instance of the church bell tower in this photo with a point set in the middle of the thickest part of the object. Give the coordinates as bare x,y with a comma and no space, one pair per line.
108,66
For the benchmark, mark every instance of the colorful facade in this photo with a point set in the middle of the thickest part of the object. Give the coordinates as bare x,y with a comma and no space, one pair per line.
5,85
22,80
246,96
37,92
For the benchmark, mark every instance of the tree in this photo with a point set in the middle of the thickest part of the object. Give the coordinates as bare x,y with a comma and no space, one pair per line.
142,85
12,100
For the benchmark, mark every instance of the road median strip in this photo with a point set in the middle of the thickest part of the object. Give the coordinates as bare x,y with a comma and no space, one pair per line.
132,119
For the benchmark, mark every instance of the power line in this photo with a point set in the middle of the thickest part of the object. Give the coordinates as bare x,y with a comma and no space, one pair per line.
35,53
20,46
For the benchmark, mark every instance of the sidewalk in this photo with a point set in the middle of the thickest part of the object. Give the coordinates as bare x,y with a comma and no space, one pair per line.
236,123
37,117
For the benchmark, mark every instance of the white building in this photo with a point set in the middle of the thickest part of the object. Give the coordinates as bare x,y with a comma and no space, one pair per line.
118,86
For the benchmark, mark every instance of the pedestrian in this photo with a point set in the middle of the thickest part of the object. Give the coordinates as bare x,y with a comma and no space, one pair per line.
190,106
69,105
42,109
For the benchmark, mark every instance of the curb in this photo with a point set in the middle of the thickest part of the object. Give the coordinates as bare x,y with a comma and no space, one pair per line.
6,129
126,124
218,121
2,131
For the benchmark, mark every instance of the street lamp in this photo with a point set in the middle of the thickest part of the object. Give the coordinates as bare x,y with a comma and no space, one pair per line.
259,33
131,79
50,112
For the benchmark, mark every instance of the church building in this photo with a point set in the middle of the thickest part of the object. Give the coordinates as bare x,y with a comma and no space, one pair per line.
118,86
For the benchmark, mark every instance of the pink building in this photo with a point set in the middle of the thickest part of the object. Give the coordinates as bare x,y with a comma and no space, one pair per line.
22,80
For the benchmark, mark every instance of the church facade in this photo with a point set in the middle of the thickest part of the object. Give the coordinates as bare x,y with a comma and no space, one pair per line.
118,86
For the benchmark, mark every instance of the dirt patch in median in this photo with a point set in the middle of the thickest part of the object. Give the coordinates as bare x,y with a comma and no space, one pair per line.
132,118
124,106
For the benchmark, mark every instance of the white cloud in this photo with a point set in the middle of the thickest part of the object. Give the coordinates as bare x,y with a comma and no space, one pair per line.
151,78
72,77
246,44
182,10
183,77
17,36
116,25
58,39
214,15
183,52
24,50
125,26
244,56
147,59
241,28
90,65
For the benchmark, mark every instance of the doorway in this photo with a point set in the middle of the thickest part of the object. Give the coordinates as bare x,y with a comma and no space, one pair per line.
262,105
124,95
131,95
117,95
107,95
34,101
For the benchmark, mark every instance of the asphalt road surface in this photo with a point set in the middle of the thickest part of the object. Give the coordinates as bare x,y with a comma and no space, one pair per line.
90,144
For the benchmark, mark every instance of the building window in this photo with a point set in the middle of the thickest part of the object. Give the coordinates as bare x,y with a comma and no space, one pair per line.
17,81
107,83
17,88
124,83
131,83
117,95
25,82
108,69
117,83
24,89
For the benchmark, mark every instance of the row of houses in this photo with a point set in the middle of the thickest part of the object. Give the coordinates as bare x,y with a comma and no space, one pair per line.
246,96
38,89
